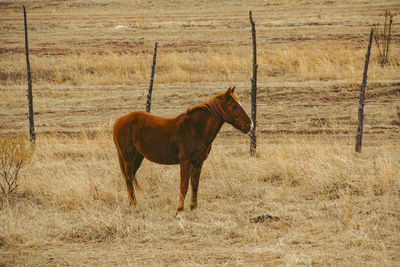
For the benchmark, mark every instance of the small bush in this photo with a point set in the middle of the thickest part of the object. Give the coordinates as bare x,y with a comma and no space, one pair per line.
15,153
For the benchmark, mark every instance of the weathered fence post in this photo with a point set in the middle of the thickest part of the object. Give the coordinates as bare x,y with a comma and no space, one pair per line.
148,103
362,96
32,133
253,139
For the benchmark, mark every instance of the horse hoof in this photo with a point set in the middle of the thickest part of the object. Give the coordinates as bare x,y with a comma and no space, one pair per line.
179,213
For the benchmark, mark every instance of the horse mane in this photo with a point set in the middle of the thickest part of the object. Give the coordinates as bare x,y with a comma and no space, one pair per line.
202,106
209,105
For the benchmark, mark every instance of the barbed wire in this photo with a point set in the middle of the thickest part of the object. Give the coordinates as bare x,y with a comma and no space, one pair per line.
144,85
75,108
141,106
274,70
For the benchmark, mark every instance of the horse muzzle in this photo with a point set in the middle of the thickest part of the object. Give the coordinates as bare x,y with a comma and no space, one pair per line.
246,128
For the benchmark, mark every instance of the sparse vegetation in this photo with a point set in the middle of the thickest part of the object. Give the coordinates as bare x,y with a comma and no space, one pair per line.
335,207
15,153
382,38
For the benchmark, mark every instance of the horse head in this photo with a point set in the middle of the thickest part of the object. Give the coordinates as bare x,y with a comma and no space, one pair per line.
233,112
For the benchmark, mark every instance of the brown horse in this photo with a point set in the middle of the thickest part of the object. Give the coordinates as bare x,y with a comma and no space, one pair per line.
184,140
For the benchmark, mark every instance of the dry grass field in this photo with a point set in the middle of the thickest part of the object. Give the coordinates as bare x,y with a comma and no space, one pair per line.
91,60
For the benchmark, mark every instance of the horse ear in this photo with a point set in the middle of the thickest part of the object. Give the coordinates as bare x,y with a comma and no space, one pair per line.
228,93
233,89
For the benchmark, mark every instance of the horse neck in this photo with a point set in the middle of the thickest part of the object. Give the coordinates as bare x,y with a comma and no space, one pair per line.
206,122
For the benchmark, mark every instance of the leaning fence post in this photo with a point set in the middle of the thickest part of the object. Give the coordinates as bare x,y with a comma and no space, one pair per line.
253,139
32,133
148,103
362,96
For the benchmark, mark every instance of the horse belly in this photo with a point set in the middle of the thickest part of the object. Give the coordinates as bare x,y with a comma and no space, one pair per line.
157,145
161,155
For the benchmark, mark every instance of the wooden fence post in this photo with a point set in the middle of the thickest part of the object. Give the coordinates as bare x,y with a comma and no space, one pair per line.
253,139
148,103
362,96
32,133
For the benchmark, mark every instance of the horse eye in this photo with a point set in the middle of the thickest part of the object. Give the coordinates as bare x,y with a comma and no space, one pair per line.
235,106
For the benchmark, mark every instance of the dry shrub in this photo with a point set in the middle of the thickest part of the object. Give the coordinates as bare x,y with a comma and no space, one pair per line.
15,153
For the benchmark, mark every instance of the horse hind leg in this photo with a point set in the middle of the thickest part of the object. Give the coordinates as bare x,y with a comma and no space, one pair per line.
124,169
136,162
131,167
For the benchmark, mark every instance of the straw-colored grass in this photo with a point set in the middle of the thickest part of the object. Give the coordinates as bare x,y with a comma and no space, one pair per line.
334,207
322,204
284,63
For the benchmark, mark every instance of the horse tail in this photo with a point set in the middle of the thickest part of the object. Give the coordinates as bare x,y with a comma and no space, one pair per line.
123,166
120,159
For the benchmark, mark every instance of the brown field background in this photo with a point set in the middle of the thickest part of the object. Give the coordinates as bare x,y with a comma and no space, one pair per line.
91,64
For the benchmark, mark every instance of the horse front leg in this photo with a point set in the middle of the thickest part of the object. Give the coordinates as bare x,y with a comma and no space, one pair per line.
194,180
186,168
